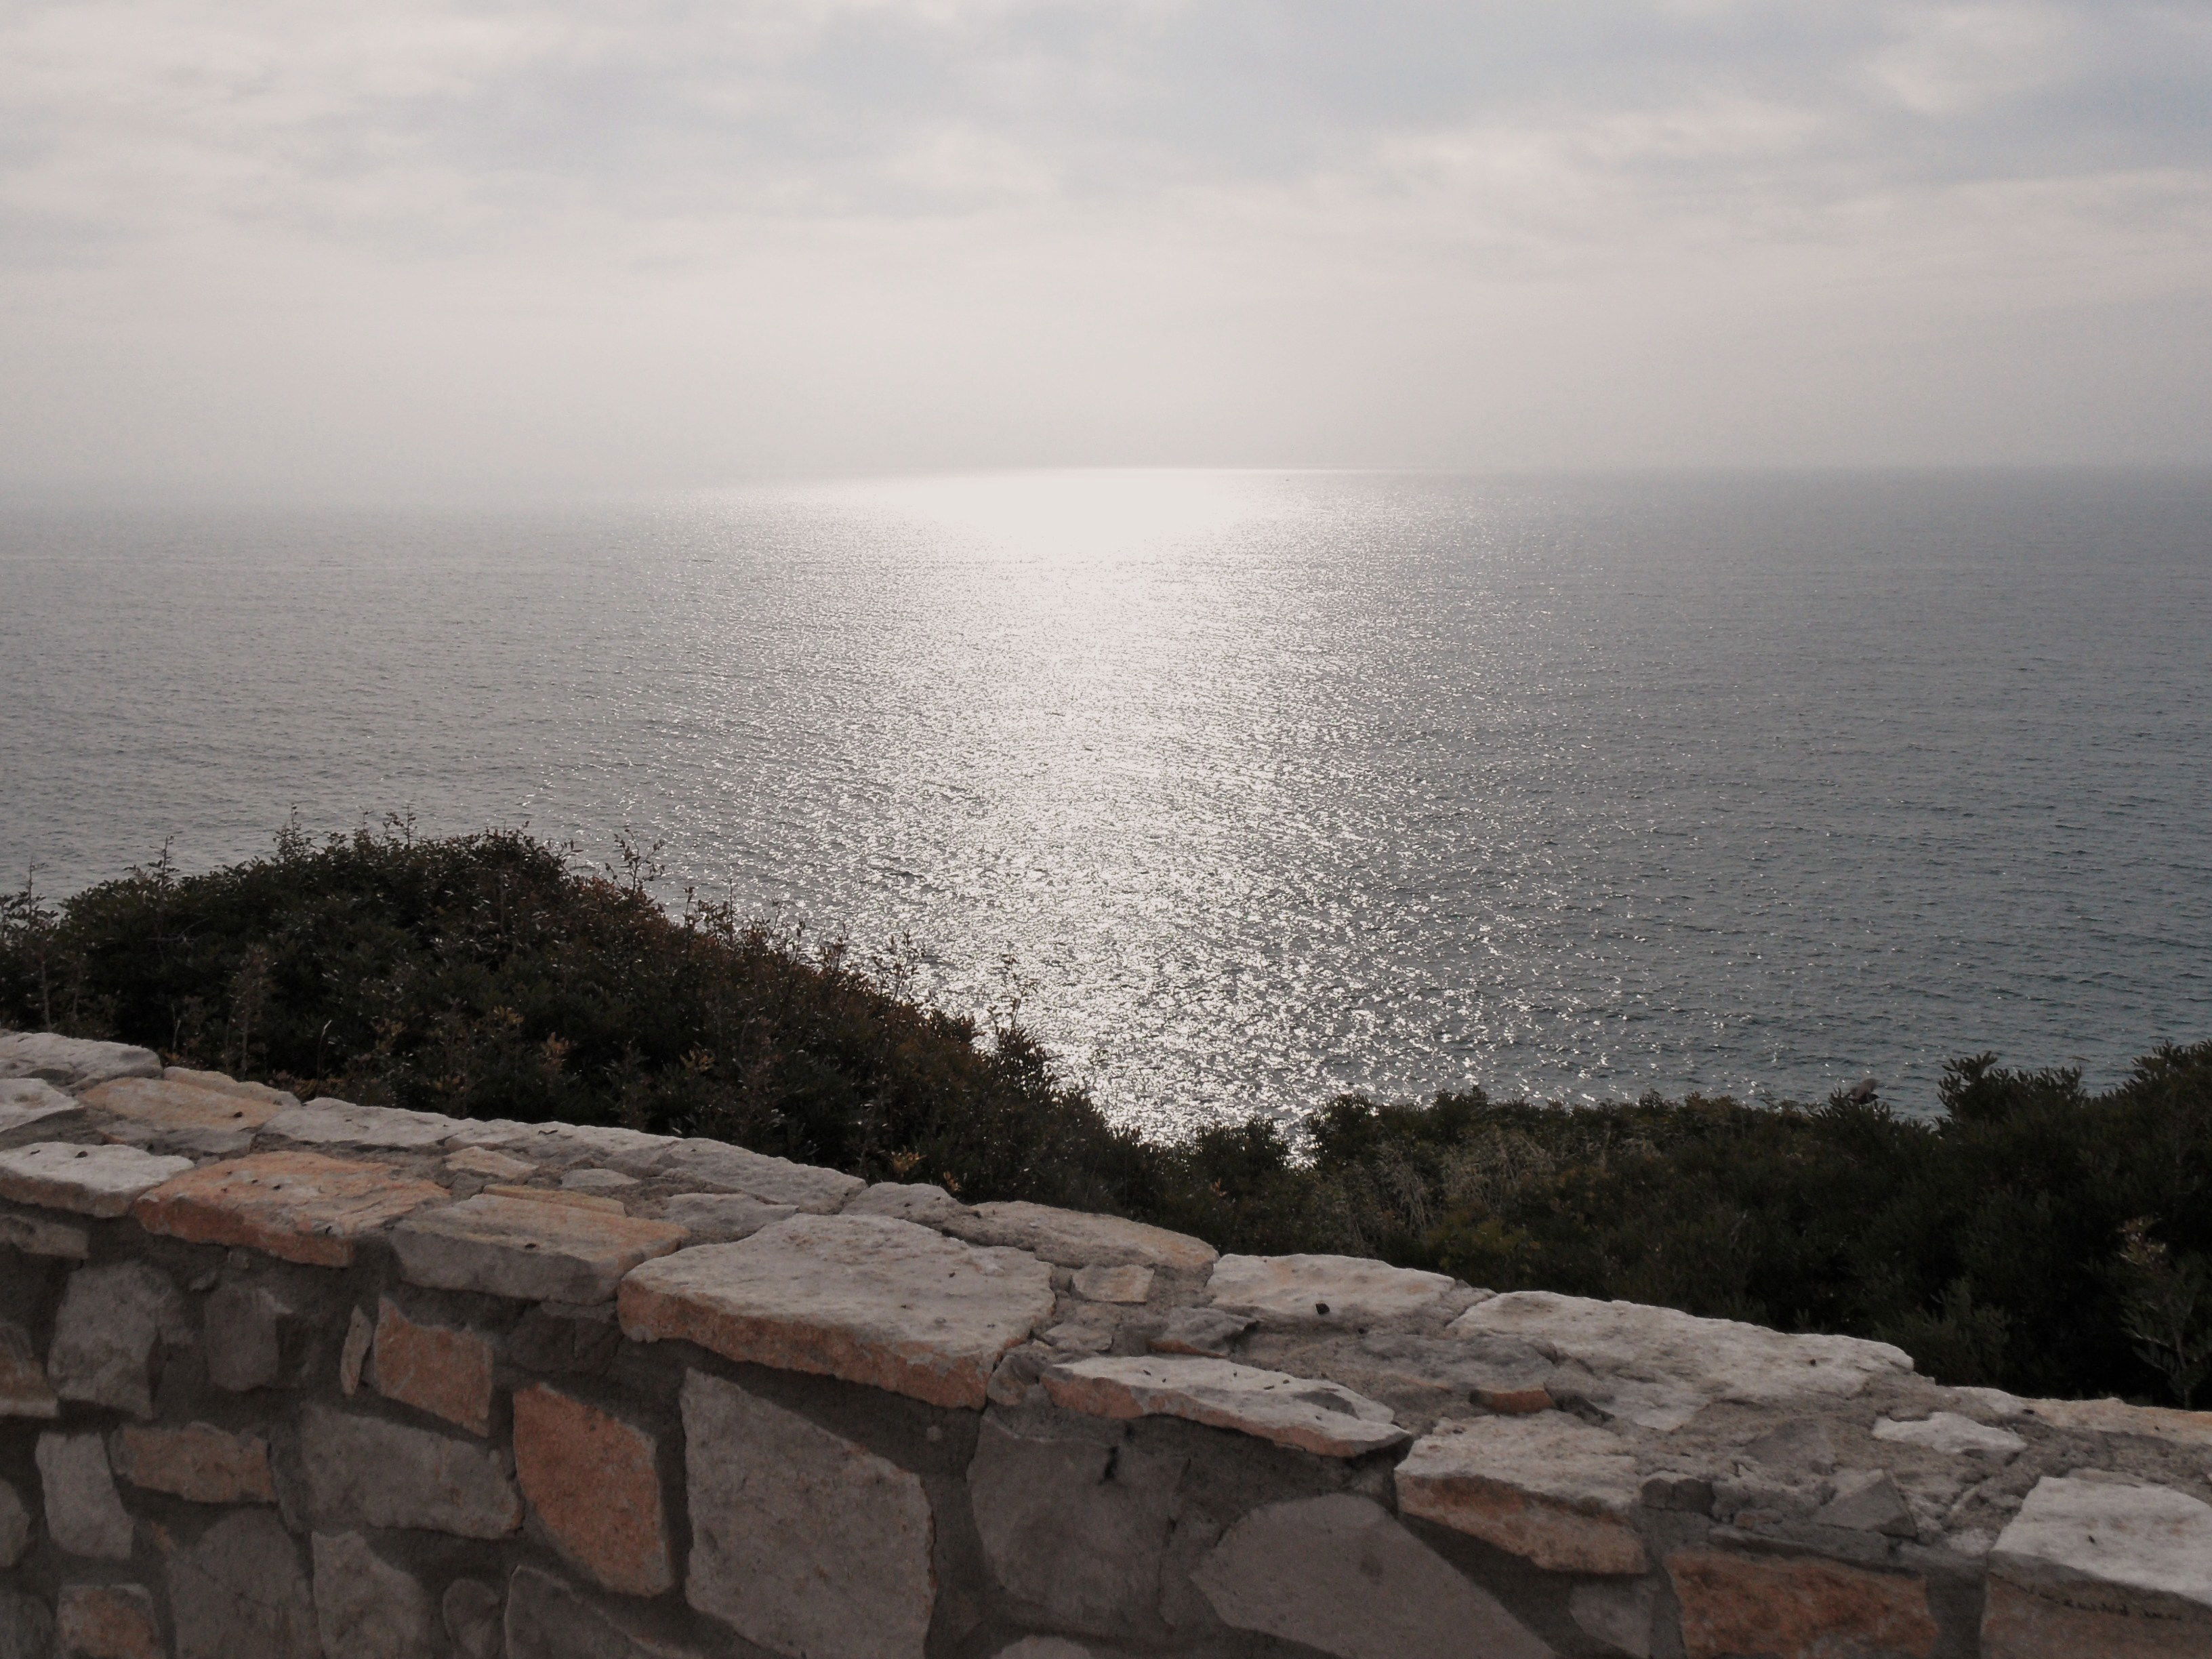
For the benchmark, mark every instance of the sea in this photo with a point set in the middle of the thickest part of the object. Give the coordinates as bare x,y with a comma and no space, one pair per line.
1241,789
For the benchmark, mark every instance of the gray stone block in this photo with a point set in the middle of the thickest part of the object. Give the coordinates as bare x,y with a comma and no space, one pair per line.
40,1234
238,1593
111,1320
95,1181
326,1122
2110,1541
83,1513
24,1390
1866,1500
366,1608
1621,1613
565,1337
473,1612
713,1167
801,1540
30,1109
1075,1519
1337,1573
364,1470
27,1627
76,1063
918,1201
722,1218
547,1619
14,1526
1321,1290
244,1324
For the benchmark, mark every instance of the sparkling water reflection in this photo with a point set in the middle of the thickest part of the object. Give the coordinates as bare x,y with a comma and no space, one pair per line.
1268,785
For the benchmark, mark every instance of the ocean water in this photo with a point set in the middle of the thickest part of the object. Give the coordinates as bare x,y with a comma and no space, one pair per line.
1251,788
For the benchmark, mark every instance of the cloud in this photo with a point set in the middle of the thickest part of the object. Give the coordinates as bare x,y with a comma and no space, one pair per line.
958,229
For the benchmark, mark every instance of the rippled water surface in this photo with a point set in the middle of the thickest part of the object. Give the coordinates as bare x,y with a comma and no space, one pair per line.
1268,785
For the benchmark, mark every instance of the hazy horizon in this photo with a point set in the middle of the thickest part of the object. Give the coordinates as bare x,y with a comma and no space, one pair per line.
250,253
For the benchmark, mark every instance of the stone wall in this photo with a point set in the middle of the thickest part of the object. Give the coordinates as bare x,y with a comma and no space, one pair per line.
280,1379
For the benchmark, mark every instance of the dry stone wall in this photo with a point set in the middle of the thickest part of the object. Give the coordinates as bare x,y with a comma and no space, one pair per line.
282,1379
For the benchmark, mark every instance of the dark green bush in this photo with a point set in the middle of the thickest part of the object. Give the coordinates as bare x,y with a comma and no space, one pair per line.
2038,1236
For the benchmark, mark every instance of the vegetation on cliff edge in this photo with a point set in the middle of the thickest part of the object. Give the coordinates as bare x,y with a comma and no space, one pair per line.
2038,1237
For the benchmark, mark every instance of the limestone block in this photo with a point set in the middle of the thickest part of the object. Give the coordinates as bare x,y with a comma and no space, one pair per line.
1070,1238
1321,1290
1658,1367
494,1166
366,1470
1549,1488
861,1297
1074,1520
44,1235
473,1613
222,1083
1623,1615
598,1181
14,1526
1497,1372
722,1218
547,1619
434,1368
108,1621
558,1195
632,1149
1337,1573
1313,1415
565,1337
2180,1428
365,1607
84,1515
27,1628
917,1201
95,1180
353,1355
802,1541
593,1482
201,1462
181,1115
298,1207
33,1109
74,1063
111,1319
711,1166
483,1131
1129,1283
1797,1608
533,1252
24,1389
1947,1432
2020,1624
1796,1445
326,1122
1866,1500
2133,1550
245,1325
238,1593
1201,1331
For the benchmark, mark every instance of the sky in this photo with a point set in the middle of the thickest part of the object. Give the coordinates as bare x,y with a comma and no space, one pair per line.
284,250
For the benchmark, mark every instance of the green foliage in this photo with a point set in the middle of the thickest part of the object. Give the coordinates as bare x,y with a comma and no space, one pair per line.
2038,1237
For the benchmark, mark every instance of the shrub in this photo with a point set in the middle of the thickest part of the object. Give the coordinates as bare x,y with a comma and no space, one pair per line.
2036,1236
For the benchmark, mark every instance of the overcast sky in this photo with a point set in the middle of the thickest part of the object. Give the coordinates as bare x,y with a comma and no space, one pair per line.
420,247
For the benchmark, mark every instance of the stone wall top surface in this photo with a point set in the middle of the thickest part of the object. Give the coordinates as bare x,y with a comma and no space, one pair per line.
1697,1464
